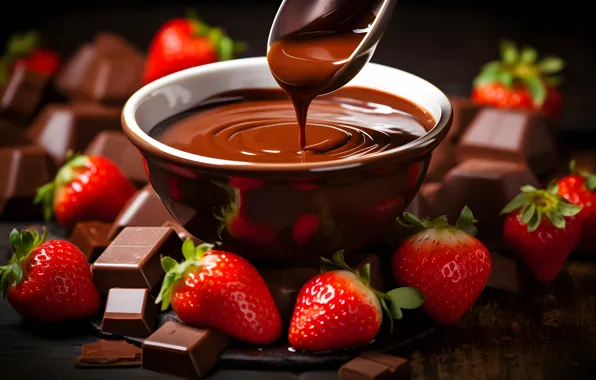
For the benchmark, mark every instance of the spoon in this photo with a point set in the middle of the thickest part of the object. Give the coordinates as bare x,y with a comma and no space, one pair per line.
306,19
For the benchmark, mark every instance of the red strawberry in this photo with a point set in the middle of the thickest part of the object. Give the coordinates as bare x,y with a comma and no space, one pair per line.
519,81
542,227
448,264
86,188
48,281
339,309
183,43
579,188
305,228
220,290
23,49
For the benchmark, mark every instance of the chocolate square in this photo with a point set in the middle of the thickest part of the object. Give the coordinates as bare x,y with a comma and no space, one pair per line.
375,365
20,96
132,260
129,312
109,353
504,274
183,234
183,350
91,238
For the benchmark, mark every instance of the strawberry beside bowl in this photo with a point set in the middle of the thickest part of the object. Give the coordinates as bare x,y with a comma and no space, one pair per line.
283,213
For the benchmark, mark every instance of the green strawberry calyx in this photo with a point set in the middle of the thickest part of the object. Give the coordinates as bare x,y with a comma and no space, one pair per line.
18,46
589,177
533,204
174,270
46,193
522,67
22,243
225,47
391,302
465,222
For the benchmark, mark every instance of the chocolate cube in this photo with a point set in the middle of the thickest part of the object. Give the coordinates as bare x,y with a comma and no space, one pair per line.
21,94
183,234
91,238
183,350
132,260
375,366
129,312
505,274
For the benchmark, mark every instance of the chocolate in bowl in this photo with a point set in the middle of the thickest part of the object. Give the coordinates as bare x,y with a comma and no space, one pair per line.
288,211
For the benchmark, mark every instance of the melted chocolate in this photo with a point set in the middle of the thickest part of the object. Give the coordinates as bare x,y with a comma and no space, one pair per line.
257,125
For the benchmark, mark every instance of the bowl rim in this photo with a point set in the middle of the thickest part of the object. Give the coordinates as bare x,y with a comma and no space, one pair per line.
152,147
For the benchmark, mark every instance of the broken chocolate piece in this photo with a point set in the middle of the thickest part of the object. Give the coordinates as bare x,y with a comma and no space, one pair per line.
183,350
182,233
129,312
442,160
504,274
109,353
22,171
21,94
375,365
132,260
11,136
464,111
115,146
510,135
485,186
108,70
63,127
144,209
91,238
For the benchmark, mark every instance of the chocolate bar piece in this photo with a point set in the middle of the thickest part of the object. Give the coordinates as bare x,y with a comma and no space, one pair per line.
12,136
510,135
20,96
183,234
108,70
504,274
91,238
375,366
144,209
109,353
22,171
129,312
485,186
115,146
443,158
464,111
183,350
132,260
63,127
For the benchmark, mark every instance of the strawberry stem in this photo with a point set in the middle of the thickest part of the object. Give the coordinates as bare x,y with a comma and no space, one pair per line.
22,243
465,222
589,177
18,45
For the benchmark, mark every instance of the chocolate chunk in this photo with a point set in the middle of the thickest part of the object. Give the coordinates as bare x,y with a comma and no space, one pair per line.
115,146
182,233
132,260
377,275
91,238
129,312
21,94
144,209
485,186
63,127
22,171
464,111
183,350
12,136
375,365
504,274
109,353
510,135
108,70
443,158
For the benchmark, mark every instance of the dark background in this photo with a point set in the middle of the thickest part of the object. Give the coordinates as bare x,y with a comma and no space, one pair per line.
443,41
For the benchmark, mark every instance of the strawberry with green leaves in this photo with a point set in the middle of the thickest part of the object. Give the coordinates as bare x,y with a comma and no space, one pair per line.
339,308
183,43
85,188
447,263
521,80
579,188
24,50
220,290
542,228
48,281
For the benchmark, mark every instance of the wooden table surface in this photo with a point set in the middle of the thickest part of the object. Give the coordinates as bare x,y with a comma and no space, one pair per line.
543,333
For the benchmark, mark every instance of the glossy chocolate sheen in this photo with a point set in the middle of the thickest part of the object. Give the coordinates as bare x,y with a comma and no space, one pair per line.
129,312
91,237
144,209
132,260
21,94
63,127
256,126
183,350
115,146
375,366
22,171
